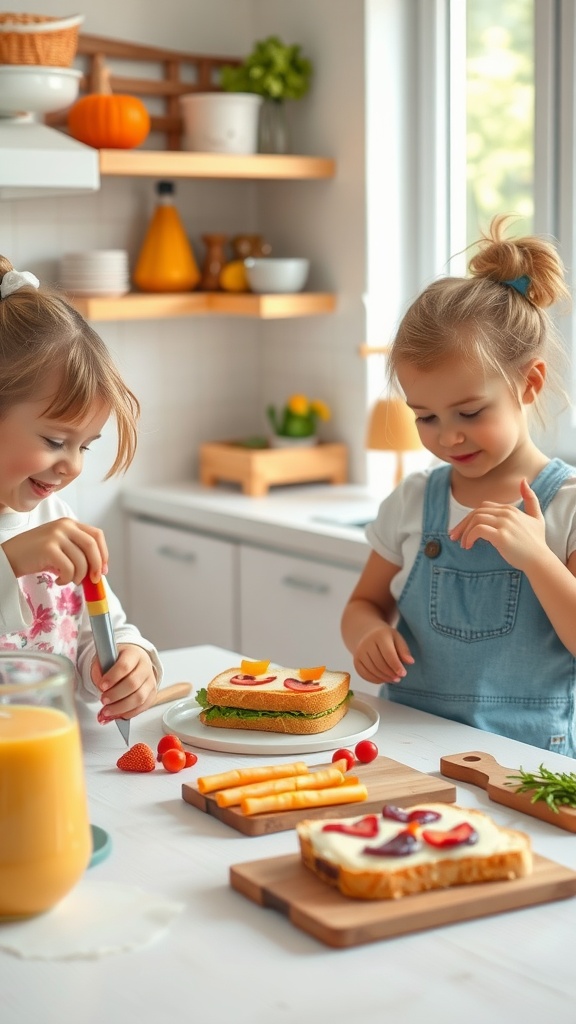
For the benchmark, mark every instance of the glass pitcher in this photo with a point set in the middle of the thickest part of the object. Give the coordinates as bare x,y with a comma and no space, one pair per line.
45,836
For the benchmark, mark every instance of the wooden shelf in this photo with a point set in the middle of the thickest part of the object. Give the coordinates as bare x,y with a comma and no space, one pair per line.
183,304
171,164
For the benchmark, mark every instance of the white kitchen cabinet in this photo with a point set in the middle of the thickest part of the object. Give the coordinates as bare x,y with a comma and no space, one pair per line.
187,587
182,586
290,608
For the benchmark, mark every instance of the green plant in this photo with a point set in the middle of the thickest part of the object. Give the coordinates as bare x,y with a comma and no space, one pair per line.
273,70
555,788
299,416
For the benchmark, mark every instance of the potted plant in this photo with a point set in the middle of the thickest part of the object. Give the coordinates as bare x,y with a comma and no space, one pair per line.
276,72
295,425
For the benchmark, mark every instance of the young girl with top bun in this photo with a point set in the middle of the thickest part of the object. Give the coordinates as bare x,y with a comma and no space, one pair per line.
58,387
466,607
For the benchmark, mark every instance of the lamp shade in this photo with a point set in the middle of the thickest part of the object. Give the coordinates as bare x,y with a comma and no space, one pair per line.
392,428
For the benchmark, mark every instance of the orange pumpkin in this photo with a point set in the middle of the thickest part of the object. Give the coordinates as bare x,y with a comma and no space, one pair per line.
108,121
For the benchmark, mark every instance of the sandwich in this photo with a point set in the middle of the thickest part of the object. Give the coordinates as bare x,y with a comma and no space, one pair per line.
286,700
409,850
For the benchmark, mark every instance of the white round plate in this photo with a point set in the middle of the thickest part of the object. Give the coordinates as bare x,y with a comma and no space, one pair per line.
182,719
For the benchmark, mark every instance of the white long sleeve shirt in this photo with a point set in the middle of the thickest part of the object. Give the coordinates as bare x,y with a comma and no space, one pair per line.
38,615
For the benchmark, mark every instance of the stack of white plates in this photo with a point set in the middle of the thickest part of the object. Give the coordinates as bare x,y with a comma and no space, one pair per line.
96,272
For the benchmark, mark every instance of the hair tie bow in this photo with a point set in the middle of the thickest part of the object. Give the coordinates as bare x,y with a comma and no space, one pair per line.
14,279
520,284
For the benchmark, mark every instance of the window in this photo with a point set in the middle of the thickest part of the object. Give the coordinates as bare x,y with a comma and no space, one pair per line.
499,91
480,116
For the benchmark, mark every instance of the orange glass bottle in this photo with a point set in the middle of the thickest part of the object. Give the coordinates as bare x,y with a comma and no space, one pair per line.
166,262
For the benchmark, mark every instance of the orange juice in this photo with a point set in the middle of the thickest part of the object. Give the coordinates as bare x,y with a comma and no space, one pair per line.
45,841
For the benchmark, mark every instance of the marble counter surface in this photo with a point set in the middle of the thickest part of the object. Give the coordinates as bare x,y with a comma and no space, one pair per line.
314,520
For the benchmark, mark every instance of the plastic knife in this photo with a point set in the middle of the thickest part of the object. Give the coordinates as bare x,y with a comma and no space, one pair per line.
97,605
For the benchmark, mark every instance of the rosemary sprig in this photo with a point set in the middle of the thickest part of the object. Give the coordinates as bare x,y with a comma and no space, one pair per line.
555,788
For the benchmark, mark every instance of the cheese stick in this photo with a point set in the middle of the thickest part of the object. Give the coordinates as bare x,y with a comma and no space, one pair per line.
244,776
316,780
305,798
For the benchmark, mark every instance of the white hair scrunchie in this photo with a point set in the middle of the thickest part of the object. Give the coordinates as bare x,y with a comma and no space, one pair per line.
14,280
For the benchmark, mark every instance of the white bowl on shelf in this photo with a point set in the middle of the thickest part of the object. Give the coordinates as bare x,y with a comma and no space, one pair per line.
276,274
35,89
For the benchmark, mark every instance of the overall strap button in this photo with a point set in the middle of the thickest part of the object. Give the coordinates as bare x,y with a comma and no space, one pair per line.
432,549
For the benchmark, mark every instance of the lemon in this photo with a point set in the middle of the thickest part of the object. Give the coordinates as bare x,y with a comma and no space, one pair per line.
233,277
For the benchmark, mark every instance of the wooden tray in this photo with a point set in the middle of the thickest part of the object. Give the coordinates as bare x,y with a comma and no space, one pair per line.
388,782
483,770
256,470
284,884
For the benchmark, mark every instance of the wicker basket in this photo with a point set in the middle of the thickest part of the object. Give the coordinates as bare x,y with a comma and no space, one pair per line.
37,39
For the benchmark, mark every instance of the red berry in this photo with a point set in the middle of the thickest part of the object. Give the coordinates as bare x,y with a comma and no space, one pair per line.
139,758
168,743
190,758
461,835
344,755
174,760
366,828
366,751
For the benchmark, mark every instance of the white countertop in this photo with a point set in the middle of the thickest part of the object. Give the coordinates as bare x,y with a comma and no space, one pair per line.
307,520
225,959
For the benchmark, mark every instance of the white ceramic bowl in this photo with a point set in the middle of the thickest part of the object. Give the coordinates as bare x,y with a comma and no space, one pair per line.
276,274
34,89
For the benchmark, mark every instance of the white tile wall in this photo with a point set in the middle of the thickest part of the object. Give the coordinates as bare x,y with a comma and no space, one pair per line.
201,378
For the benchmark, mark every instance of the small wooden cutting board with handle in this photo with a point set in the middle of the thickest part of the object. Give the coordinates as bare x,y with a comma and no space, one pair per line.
483,770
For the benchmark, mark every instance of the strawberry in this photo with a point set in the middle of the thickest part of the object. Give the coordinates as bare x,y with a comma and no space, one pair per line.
139,758
457,836
366,828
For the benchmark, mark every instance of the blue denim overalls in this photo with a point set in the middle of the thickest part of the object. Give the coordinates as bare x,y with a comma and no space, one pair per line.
485,652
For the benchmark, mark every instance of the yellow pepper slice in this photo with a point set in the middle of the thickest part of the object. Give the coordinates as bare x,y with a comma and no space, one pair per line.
311,673
253,668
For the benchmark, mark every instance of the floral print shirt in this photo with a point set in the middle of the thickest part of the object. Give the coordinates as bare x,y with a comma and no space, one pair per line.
38,615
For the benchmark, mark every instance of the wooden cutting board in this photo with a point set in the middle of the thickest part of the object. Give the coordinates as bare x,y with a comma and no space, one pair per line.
483,770
387,781
284,884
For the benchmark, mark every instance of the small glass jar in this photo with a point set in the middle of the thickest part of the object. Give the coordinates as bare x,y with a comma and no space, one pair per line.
244,246
214,260
273,136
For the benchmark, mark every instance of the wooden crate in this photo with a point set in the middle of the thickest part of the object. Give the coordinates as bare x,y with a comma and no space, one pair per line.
257,469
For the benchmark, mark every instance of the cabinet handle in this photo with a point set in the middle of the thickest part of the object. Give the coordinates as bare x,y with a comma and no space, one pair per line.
301,584
177,555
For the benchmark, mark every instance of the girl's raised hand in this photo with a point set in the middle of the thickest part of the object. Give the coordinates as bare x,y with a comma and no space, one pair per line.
381,655
517,535
66,548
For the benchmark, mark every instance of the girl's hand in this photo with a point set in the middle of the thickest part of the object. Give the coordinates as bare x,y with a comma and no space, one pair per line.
129,687
516,535
381,655
66,548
